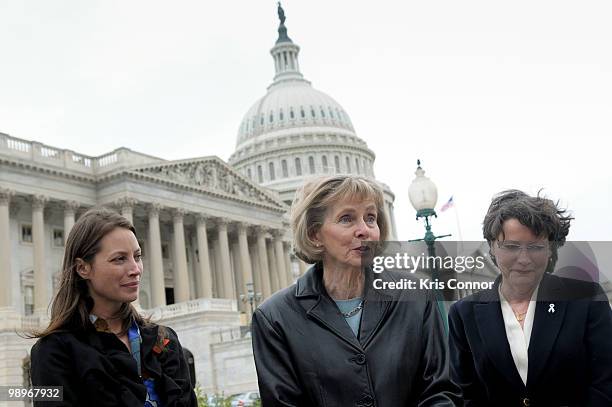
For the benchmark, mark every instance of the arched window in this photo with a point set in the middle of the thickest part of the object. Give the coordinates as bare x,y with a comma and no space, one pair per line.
312,112
259,174
271,170
348,165
284,168
271,116
331,113
322,112
302,112
324,162
337,164
311,164
291,114
281,116
357,165
249,173
298,167
261,121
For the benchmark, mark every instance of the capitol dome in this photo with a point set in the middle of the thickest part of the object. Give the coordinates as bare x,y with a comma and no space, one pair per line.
295,132
292,104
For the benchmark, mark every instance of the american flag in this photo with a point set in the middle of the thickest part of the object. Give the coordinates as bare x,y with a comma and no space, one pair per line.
447,205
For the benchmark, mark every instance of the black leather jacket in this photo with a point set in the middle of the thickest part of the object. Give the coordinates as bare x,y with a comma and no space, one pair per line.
307,355
96,369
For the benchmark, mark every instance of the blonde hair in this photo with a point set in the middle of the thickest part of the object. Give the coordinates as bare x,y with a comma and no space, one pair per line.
314,198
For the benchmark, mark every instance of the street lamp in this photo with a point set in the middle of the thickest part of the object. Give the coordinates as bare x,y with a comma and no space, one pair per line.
423,197
251,297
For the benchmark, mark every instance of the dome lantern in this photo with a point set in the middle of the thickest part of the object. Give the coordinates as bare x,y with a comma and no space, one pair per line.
285,54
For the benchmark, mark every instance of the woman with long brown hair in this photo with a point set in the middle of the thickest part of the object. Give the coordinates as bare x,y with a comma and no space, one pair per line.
97,346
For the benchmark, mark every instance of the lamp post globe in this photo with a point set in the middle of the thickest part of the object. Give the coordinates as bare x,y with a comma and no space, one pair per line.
423,193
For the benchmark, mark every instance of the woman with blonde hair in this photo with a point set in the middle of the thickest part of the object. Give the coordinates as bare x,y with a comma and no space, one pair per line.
329,339
97,346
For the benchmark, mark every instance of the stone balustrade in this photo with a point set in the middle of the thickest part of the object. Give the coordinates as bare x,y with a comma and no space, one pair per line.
67,159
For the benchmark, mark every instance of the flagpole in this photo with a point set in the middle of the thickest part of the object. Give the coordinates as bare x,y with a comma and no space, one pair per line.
452,204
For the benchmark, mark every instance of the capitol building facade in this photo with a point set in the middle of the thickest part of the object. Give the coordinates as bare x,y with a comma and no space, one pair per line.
213,233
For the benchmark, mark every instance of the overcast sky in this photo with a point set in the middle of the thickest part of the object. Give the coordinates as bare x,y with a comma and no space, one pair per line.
489,95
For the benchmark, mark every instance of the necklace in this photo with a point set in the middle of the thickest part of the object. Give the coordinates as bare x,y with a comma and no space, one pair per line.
353,311
520,316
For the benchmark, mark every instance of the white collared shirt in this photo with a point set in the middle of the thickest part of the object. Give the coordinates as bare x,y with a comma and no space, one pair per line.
518,338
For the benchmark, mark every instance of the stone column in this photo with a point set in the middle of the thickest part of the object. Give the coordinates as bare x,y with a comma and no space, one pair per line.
205,280
127,208
288,265
41,292
226,271
280,259
181,275
237,273
263,262
245,260
5,249
70,208
217,272
158,285
274,281
255,267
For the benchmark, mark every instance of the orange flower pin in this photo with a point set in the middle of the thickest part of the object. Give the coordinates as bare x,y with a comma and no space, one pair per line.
161,347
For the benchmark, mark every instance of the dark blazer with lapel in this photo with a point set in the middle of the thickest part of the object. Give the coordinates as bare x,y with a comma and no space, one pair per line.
570,349
307,355
96,369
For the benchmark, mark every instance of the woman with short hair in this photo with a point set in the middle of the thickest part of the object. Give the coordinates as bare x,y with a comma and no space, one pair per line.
534,339
97,346
329,339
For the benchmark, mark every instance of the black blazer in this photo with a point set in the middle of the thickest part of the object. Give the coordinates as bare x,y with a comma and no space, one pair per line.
570,350
96,369
307,355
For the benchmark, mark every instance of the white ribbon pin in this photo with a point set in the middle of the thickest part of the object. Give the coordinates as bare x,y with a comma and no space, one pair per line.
551,308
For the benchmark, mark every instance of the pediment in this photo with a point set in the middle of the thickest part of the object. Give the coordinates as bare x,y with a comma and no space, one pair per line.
213,175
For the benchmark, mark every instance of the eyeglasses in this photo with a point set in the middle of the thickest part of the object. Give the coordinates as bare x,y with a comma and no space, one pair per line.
514,249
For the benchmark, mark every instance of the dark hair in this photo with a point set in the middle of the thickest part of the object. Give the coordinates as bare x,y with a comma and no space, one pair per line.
541,215
72,304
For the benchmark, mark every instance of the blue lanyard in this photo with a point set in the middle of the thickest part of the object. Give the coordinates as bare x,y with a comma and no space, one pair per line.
135,341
